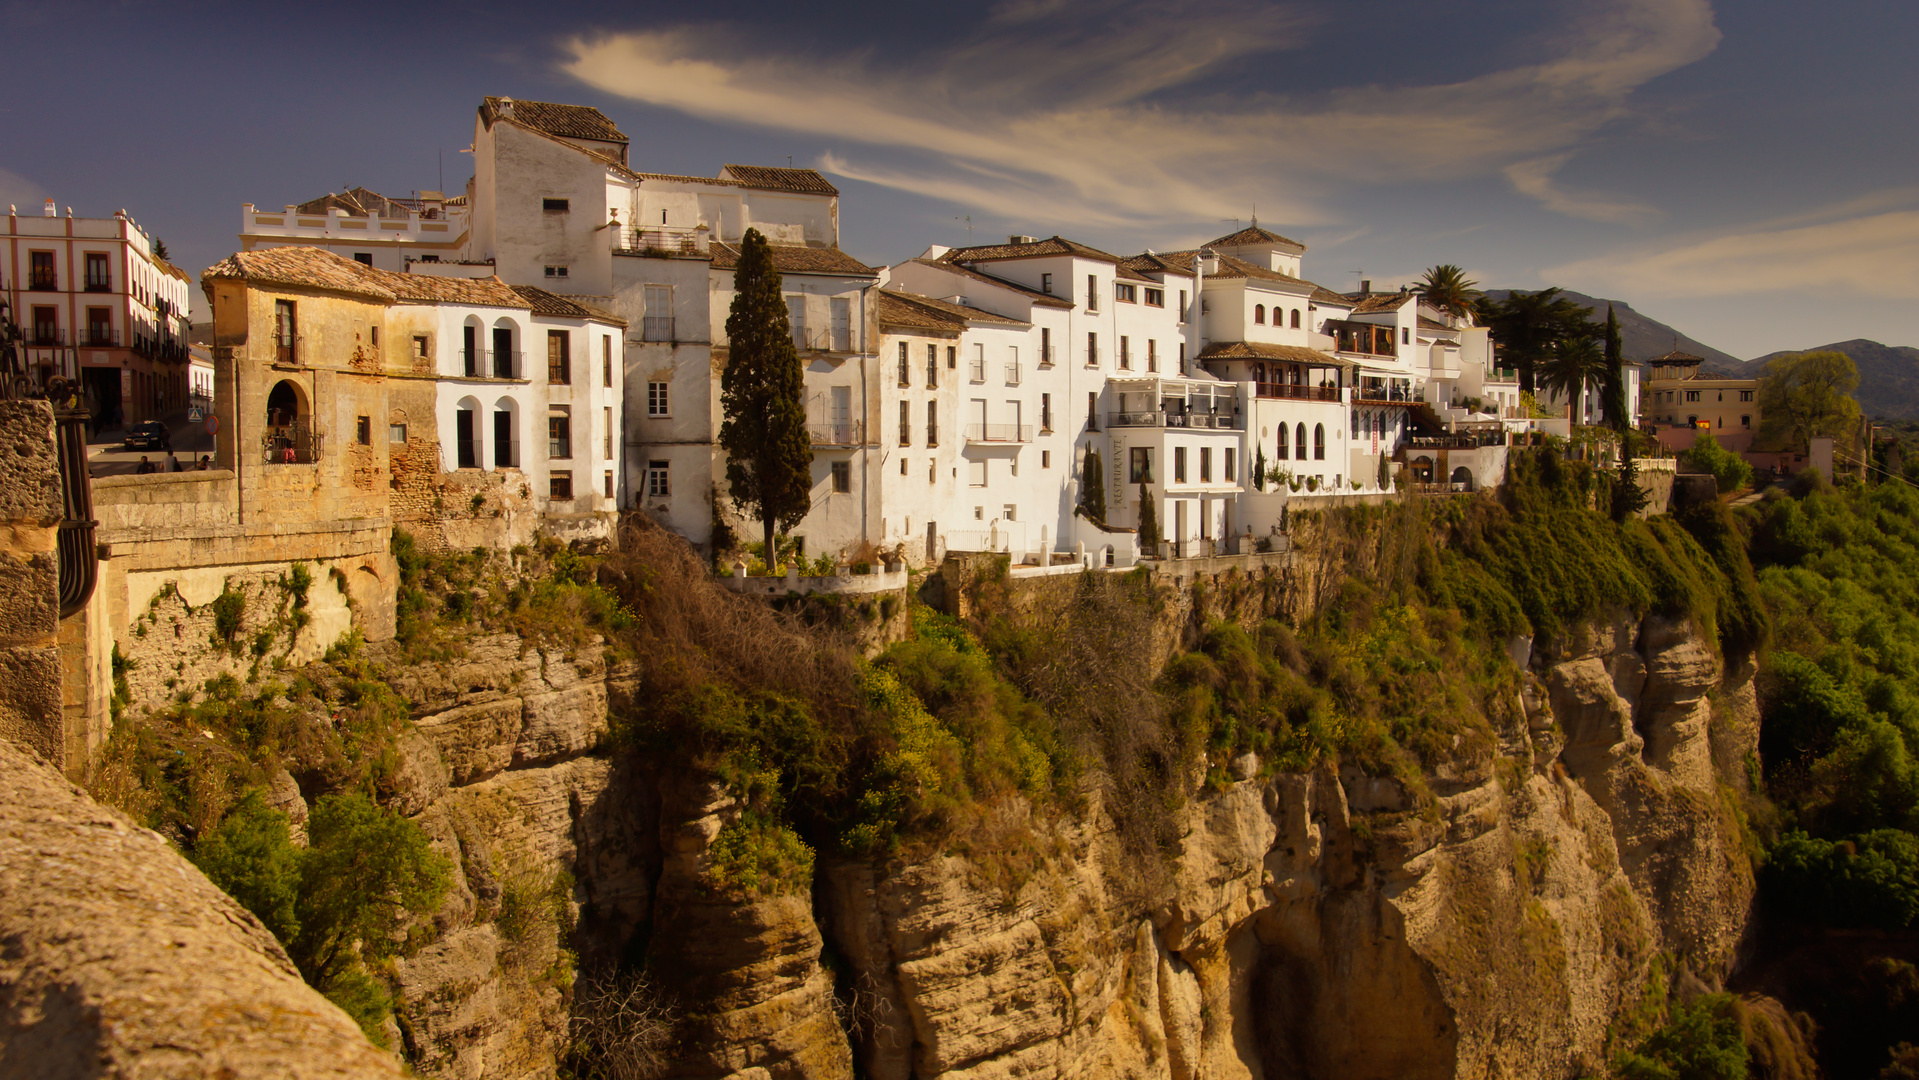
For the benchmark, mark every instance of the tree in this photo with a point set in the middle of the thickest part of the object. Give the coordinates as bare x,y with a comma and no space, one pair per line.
1573,365
160,250
1628,498
1092,486
1727,468
1259,469
1530,326
1148,521
1702,1041
1807,394
1615,388
769,456
1447,288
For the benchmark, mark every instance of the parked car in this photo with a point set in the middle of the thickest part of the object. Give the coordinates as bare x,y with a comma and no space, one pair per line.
149,435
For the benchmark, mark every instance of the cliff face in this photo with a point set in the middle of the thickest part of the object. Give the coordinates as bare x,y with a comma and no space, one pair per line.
1308,924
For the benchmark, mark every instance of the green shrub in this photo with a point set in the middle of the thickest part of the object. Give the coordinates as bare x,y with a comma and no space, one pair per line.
754,857
1728,469
229,614
1869,881
251,857
1701,1041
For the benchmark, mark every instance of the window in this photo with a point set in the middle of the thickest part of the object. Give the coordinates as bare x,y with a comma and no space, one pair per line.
99,278
419,346
1227,474
1152,354
932,367
1745,421
932,423
1319,442
1092,410
952,357
99,326
1125,352
559,357
363,430
606,433
905,367
283,331
841,310
1405,335
903,464
1139,468
1745,395
609,483
1009,512
42,275
932,472
373,332
429,258
1205,464
1092,292
1045,459
1045,346
656,482
1179,464
559,485
1299,442
396,433
1124,293
906,423
1295,318
657,325
1692,395
1259,314
470,350
559,433
842,477
1013,371
1092,349
606,360
796,320
656,400
1045,280
1046,413
556,271
554,206
976,477
1155,297
978,372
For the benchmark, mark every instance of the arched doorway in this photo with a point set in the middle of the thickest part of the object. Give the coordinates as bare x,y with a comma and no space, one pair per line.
1422,470
1462,479
289,438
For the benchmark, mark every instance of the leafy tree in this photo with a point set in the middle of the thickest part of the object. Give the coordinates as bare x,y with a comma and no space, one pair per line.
1628,498
1447,288
1807,394
769,456
1615,382
1868,881
1702,1041
1148,520
1092,488
1571,367
1530,326
251,857
1726,467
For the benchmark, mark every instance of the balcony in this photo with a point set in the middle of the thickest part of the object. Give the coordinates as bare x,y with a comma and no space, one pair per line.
1297,392
661,241
99,285
999,433
46,336
976,370
657,328
103,337
1162,418
837,433
1378,394
297,445
43,281
1502,375
505,364
1012,373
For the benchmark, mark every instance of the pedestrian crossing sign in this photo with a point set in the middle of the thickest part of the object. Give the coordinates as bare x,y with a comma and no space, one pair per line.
193,415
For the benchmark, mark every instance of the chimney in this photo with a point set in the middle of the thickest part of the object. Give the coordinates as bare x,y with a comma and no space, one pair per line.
1018,239
504,108
1366,285
51,210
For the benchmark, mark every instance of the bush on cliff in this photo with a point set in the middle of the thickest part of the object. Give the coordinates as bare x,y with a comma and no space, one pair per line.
1868,881
1701,1041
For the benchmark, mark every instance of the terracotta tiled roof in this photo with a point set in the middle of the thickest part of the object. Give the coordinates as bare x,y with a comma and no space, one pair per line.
1037,297
1254,235
314,268
1323,295
1426,323
565,121
768,178
1153,262
1051,246
1677,357
797,259
546,303
948,313
896,310
1259,350
1392,301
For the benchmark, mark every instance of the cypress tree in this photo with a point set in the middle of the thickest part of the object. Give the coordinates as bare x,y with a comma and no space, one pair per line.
1092,488
769,456
1615,389
1148,521
1259,470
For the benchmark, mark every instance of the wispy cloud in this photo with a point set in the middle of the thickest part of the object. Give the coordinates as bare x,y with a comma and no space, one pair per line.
1083,114
1536,179
1866,246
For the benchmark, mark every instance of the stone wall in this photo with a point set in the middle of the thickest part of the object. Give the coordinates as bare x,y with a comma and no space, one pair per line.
30,513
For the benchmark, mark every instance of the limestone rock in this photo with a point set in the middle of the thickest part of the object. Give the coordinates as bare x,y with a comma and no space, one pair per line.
122,960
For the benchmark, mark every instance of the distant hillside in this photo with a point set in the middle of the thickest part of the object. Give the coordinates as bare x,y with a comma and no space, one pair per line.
1888,375
1643,338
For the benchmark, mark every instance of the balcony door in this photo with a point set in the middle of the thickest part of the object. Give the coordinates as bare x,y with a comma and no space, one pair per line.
840,414
503,439
469,457
502,352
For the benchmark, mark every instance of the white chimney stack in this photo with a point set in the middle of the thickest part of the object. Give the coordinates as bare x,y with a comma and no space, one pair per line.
51,210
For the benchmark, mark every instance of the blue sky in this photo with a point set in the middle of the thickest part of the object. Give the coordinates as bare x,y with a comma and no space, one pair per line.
1744,170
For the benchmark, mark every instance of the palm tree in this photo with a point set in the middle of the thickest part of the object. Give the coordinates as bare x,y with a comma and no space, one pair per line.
1574,365
1529,326
1447,288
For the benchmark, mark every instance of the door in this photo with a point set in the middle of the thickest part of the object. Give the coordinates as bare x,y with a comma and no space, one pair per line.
1179,526
977,428
842,414
502,439
932,541
469,458
471,350
842,324
502,352
1013,415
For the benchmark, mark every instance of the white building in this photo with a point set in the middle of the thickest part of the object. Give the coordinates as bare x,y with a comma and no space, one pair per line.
95,303
365,226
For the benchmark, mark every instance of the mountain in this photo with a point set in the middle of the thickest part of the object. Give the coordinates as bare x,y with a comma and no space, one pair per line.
1643,338
1888,375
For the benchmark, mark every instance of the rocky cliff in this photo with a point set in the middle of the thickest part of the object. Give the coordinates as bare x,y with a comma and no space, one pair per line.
1317,924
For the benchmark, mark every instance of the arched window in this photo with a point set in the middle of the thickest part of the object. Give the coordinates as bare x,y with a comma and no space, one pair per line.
1282,442
467,449
1295,318
506,356
1319,442
1299,440
1259,313
506,448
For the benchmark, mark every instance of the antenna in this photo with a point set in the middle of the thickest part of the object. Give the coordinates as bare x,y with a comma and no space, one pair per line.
969,229
1234,220
789,161
442,152
1361,274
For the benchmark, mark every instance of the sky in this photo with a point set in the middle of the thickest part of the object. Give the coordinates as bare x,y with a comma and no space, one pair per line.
1742,169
